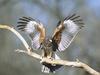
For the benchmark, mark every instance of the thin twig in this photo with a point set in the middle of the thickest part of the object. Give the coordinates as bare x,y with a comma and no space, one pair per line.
61,62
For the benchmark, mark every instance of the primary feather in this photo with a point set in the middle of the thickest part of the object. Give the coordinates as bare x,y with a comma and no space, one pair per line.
35,30
66,31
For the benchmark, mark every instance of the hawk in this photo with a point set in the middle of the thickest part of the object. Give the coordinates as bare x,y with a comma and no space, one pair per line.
63,35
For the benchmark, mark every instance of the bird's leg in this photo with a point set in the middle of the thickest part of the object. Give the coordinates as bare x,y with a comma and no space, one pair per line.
42,55
50,54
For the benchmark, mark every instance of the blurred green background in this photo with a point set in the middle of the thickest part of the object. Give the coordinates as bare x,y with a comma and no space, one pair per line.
85,47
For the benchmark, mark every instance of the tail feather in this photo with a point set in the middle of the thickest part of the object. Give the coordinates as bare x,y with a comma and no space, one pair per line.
45,69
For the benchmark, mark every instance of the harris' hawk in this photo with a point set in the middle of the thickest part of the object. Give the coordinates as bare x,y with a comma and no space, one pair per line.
63,35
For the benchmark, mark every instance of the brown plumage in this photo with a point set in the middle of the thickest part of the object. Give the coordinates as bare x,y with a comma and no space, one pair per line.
62,37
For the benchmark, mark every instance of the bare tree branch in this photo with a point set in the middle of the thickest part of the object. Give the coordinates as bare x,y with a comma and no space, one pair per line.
61,62
16,33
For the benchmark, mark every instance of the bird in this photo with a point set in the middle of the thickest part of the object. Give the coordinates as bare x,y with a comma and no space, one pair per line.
63,35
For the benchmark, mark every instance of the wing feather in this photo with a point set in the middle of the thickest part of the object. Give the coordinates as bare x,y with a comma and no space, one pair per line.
34,28
66,31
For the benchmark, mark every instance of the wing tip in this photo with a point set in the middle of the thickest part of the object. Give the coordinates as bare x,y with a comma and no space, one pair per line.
23,21
76,19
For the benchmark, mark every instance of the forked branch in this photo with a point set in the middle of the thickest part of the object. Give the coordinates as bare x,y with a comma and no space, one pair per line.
35,55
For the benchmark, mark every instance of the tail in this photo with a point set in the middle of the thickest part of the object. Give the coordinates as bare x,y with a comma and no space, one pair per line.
47,68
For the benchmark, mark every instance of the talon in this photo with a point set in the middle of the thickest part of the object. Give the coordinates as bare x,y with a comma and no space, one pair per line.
49,57
52,60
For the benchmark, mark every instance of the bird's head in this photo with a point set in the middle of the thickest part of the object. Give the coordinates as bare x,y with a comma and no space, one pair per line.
47,44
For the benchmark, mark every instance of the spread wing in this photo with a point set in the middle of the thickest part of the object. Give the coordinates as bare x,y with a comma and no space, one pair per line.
35,30
66,31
